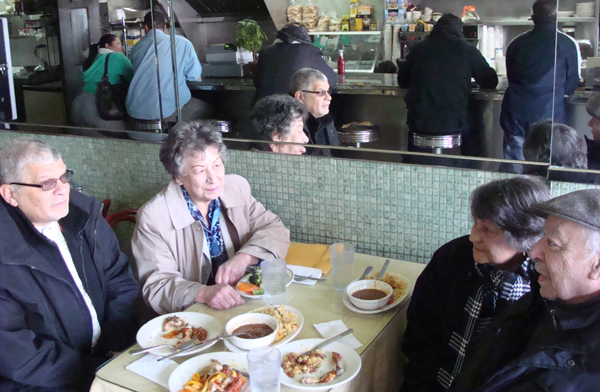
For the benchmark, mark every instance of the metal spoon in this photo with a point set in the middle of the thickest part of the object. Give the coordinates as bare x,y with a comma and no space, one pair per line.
382,272
367,271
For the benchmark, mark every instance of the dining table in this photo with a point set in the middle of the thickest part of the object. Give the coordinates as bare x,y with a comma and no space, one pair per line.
380,333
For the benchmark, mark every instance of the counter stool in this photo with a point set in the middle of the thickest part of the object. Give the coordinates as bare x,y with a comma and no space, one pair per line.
356,136
148,125
436,142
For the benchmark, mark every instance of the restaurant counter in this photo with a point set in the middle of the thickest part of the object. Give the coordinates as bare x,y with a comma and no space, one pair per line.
379,333
375,98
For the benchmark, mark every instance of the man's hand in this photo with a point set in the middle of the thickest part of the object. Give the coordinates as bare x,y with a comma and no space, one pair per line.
232,270
219,296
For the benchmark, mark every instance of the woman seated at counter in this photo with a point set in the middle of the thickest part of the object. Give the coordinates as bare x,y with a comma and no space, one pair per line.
196,237
470,279
120,70
279,118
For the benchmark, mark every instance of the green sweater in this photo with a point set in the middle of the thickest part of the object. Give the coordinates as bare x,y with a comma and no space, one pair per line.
119,70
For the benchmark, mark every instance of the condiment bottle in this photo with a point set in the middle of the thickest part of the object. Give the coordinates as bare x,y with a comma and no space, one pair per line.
341,66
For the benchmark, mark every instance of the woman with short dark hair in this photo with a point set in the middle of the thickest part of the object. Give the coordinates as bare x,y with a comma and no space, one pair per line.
84,108
470,279
195,238
279,118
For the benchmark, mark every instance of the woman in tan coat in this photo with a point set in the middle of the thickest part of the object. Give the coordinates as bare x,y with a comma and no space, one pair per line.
195,238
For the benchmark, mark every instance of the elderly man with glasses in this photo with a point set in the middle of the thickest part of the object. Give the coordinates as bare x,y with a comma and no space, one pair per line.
549,340
310,86
66,291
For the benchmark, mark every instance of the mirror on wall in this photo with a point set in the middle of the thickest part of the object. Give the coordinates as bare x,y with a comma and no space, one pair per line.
573,143
370,98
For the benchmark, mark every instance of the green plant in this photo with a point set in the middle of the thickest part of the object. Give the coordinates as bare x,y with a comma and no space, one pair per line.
249,36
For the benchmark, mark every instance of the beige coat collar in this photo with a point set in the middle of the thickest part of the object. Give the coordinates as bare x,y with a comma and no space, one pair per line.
178,210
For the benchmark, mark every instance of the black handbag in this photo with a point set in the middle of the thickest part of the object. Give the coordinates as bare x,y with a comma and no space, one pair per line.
110,98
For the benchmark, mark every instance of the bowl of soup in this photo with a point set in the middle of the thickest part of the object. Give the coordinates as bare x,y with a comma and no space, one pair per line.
369,294
258,330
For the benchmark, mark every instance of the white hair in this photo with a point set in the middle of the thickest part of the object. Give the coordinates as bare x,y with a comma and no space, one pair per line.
19,153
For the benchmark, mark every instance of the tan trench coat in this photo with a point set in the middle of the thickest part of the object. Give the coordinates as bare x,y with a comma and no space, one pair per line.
167,242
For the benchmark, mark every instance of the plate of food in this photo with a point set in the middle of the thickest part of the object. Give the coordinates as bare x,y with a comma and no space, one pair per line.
213,370
401,288
176,329
250,286
290,322
331,366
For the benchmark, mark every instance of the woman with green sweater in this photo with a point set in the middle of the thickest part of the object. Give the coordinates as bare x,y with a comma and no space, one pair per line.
120,70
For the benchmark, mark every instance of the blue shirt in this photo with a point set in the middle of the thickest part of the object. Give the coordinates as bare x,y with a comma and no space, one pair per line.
142,98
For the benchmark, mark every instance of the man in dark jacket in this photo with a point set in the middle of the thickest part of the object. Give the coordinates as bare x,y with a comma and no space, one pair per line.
310,86
549,340
278,62
532,87
66,291
437,73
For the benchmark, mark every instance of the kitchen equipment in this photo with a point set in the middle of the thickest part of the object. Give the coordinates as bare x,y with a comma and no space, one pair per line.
221,62
41,55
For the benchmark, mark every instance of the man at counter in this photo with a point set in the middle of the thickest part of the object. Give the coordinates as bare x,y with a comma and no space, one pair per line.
142,98
66,291
437,73
532,87
278,62
310,86
548,340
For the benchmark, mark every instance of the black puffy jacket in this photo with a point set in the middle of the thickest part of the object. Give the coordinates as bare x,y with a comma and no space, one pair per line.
538,346
45,325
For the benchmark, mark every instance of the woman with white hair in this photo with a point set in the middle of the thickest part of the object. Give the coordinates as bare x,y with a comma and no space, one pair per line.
196,237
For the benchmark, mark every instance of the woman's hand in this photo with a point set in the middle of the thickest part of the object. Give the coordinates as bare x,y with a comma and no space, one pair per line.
219,296
232,270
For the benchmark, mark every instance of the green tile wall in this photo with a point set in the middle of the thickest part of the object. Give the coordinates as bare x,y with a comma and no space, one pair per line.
387,209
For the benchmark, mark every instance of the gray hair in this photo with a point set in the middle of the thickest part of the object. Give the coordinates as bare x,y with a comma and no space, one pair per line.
304,78
507,204
274,115
19,153
568,149
188,139
592,239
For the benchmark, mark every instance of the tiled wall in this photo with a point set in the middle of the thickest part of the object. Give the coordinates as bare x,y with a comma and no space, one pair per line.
387,209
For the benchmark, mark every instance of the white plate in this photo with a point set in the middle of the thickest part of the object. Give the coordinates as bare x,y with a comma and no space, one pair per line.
397,302
351,363
151,333
289,278
184,372
232,347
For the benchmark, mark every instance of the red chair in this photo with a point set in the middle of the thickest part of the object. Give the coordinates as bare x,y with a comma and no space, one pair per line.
105,206
120,216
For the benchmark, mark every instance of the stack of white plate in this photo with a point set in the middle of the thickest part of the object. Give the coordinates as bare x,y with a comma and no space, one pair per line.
585,10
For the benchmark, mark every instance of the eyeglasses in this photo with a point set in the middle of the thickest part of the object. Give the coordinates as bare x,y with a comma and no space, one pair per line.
320,93
48,185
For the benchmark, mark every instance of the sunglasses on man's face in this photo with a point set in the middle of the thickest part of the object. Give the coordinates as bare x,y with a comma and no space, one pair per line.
50,184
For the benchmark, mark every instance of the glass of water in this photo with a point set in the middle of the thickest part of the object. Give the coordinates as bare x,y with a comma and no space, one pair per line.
274,272
342,257
264,364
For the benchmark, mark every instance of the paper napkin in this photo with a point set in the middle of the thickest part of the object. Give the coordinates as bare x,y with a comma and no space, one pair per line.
309,255
332,328
306,271
153,370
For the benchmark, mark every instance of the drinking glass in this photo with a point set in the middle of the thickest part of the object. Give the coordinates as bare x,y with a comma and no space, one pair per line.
274,278
342,257
264,364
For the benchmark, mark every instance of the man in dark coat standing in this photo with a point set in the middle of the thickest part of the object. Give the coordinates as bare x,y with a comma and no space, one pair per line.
66,290
278,62
549,340
532,87
437,73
